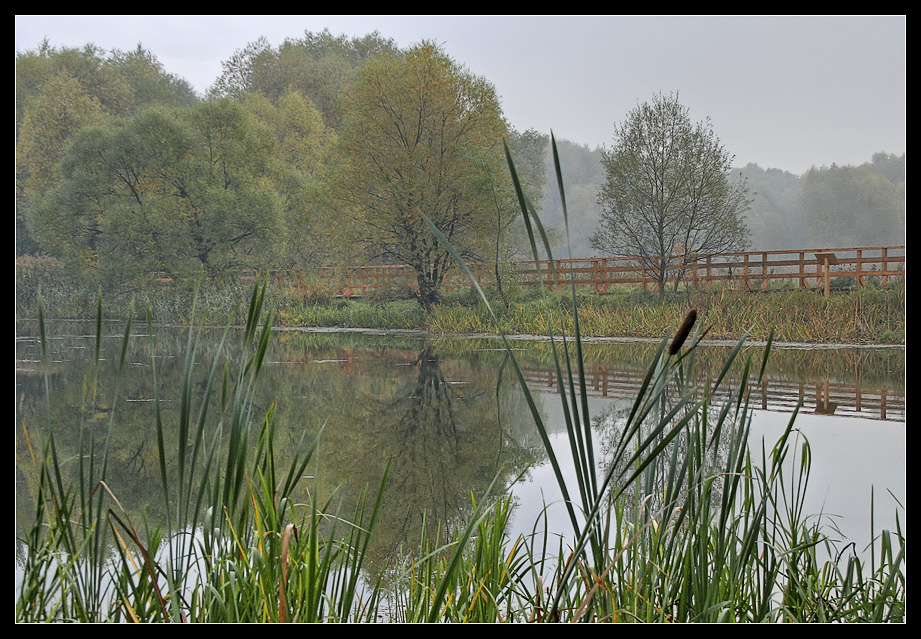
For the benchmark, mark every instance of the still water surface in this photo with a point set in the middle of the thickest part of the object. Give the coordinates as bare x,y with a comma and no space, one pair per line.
449,415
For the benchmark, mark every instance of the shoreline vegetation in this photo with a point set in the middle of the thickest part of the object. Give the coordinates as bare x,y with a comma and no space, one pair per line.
864,316
685,521
688,522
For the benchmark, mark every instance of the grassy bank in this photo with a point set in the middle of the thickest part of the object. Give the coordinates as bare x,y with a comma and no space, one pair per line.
868,315
864,316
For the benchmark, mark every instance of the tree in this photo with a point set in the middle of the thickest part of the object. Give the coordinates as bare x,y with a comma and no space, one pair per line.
304,152
887,165
853,206
319,66
421,135
510,242
667,198
170,190
774,219
54,116
236,79
61,91
150,83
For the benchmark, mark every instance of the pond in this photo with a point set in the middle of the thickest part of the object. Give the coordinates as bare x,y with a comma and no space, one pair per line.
448,415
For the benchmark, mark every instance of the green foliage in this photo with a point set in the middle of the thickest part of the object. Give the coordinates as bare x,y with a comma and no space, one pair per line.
61,91
168,191
319,66
854,206
421,136
667,198
149,82
305,148
774,218
55,114
829,206
89,67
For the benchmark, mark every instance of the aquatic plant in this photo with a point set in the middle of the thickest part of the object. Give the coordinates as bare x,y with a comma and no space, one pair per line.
682,520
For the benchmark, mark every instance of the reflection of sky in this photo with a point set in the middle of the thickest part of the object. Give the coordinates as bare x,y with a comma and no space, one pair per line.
849,457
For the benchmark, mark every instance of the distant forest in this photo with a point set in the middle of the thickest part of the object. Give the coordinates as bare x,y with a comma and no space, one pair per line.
123,170
829,206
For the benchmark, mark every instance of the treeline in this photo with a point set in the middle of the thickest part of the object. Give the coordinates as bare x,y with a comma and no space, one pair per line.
323,151
328,150
829,206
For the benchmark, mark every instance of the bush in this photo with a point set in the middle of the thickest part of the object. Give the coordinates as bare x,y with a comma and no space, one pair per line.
33,273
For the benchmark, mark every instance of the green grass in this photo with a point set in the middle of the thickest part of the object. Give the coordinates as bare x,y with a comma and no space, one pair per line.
868,315
863,316
684,523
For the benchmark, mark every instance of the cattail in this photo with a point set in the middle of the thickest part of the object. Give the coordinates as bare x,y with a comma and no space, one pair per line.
683,331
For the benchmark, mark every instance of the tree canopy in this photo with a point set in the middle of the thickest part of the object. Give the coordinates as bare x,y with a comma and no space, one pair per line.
331,148
853,206
173,191
61,91
319,66
421,135
667,197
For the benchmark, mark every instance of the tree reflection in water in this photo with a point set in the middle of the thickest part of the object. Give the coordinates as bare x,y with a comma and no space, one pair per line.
444,413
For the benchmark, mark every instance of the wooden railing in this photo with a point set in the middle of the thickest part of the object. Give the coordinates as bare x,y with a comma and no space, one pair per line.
822,269
754,271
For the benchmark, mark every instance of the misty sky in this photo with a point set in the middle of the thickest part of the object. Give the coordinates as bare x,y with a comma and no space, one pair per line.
782,92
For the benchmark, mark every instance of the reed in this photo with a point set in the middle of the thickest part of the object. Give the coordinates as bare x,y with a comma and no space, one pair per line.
680,518
239,538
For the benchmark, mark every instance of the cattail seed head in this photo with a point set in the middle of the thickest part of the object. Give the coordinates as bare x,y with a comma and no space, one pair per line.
683,331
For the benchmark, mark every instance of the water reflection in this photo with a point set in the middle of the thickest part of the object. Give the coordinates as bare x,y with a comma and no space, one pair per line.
447,415
447,428
866,383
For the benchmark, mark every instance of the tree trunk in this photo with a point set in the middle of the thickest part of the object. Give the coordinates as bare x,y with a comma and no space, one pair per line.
428,291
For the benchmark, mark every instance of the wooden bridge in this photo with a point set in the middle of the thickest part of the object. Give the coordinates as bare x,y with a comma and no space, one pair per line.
820,269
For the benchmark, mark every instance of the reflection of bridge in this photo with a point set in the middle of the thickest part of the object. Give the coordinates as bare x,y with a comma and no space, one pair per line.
825,397
821,395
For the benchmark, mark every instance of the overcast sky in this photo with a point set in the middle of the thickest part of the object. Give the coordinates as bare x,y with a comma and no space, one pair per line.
782,92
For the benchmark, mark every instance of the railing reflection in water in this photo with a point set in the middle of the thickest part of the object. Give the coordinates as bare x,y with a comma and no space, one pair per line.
823,396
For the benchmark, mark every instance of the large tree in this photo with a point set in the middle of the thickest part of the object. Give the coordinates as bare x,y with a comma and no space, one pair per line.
55,114
61,91
170,190
421,135
668,199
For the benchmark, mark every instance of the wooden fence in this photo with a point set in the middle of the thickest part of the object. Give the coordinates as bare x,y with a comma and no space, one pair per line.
821,269
754,271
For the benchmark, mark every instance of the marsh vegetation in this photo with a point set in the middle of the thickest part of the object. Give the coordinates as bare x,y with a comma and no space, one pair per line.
677,517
